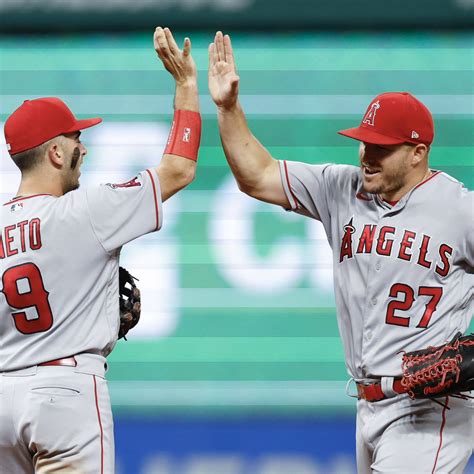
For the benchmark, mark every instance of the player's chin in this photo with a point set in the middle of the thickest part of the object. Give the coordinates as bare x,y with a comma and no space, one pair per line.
372,185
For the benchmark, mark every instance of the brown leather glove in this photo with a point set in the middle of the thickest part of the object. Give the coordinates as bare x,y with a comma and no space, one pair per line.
130,306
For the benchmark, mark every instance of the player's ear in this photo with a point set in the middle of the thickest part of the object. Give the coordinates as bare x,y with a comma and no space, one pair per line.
55,153
419,153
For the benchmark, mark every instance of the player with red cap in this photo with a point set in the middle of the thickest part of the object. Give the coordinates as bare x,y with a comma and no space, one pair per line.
394,118
37,121
402,237
59,276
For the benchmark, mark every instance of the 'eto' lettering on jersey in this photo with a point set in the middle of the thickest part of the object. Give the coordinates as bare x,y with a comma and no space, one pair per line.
20,237
384,243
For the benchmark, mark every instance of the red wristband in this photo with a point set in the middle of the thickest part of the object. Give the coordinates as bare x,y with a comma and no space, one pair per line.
185,134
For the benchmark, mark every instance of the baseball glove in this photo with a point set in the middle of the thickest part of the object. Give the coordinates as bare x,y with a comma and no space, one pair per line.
440,371
129,299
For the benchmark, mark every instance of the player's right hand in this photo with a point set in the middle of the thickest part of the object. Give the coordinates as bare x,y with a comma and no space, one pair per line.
223,78
178,62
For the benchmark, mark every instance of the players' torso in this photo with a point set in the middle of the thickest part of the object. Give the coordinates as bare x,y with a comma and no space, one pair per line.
401,279
59,286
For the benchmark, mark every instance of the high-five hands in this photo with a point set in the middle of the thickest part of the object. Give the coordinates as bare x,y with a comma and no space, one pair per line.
223,79
178,62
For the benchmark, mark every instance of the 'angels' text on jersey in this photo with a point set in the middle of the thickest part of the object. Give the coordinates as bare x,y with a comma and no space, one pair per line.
384,242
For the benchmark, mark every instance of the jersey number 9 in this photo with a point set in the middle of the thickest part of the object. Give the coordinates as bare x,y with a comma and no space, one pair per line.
35,297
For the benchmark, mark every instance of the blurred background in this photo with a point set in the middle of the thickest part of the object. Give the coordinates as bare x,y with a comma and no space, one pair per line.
236,366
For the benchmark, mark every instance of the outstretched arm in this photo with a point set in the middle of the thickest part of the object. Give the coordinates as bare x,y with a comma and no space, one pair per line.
256,171
175,170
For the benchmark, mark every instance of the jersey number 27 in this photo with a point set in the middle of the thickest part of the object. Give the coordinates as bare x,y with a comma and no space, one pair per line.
431,293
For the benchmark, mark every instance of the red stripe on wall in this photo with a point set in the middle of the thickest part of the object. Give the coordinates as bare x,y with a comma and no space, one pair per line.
101,429
156,199
443,423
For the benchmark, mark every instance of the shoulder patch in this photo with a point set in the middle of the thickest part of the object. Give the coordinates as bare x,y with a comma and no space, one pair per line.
16,206
129,184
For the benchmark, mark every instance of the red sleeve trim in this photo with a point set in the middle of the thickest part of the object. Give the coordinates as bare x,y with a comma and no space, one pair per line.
289,185
20,198
443,423
100,426
156,200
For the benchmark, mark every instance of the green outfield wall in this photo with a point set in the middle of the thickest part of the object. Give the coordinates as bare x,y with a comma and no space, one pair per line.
238,304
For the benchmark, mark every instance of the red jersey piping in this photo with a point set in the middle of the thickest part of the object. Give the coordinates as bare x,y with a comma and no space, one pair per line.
443,423
156,199
100,427
436,173
20,198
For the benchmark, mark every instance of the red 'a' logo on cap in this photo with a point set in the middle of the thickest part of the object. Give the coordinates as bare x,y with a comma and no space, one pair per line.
370,115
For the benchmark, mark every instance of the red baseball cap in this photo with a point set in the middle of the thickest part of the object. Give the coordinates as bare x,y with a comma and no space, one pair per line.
39,120
393,118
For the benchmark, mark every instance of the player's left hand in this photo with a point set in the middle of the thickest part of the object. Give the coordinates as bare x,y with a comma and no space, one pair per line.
178,62
223,78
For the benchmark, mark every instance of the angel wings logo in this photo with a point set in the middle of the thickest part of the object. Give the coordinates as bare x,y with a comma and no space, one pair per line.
346,244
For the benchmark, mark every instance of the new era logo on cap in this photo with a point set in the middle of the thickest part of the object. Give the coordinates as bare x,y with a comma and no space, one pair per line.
393,118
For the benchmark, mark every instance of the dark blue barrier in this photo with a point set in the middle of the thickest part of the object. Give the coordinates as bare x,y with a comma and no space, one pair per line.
235,447
278,446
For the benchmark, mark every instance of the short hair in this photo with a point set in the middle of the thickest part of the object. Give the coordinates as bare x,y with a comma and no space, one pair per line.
29,159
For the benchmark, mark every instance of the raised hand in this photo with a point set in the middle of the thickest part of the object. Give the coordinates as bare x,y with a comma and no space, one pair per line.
223,79
179,63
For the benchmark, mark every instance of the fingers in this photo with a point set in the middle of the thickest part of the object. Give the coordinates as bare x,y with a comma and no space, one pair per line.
221,50
211,51
219,42
155,38
165,44
170,40
229,53
187,47
213,57
161,42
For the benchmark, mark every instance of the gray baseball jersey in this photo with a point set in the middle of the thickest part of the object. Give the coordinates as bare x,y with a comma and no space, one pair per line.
59,268
403,274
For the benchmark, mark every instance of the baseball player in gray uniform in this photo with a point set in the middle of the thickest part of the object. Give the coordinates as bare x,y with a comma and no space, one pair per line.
59,255
402,237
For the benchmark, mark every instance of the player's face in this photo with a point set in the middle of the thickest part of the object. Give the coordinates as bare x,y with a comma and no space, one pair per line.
385,168
75,152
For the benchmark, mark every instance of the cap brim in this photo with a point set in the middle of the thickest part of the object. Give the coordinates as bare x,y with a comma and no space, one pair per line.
82,124
369,136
